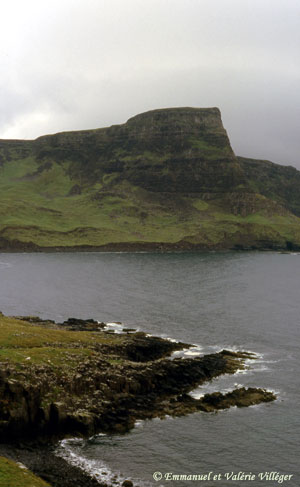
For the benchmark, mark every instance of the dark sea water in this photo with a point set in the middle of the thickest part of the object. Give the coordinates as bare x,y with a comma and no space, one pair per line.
248,301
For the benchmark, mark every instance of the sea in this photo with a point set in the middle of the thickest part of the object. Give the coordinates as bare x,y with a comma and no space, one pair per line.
233,300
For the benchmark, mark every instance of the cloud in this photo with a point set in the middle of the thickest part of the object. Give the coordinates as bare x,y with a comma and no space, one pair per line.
74,64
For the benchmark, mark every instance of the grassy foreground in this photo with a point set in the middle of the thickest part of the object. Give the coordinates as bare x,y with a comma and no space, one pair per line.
23,343
15,475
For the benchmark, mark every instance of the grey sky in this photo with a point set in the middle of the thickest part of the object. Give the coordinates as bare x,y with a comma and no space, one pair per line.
78,64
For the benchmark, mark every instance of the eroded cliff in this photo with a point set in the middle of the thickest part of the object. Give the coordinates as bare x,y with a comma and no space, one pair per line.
165,179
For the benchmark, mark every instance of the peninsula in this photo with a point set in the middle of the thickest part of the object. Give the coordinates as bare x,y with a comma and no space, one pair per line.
79,378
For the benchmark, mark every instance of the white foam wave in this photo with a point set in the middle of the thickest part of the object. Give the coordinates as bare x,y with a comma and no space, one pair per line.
277,392
198,394
139,423
97,470
194,351
262,368
172,340
242,371
118,327
235,349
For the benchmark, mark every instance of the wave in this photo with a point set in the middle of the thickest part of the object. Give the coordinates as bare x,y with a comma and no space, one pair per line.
193,351
118,327
96,469
209,389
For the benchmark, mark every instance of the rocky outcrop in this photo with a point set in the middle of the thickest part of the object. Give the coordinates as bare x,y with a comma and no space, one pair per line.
173,150
96,381
117,383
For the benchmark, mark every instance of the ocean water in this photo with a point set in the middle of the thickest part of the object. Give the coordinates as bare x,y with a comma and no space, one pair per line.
241,301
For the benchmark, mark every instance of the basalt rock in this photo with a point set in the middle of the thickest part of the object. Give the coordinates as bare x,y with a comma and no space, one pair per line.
106,392
166,179
140,347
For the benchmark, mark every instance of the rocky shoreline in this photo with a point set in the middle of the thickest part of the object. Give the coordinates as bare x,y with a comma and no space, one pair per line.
79,378
16,246
41,459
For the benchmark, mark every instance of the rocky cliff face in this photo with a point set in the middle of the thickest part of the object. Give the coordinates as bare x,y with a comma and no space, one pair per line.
274,181
176,129
189,151
79,380
106,382
173,150
164,179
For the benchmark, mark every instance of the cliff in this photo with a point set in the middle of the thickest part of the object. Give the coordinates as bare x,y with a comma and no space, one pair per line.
166,179
78,378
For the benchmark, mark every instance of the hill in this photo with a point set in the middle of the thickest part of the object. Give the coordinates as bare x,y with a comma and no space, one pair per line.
166,179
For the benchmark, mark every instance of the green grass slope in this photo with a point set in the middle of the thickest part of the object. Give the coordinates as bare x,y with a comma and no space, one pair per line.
166,178
16,475
280,183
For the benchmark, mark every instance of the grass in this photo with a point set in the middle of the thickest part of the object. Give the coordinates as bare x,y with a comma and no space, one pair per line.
25,343
112,211
15,475
53,365
45,355
56,354
200,205
209,151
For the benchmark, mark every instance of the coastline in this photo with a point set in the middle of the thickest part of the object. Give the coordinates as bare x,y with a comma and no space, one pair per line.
104,383
16,246
41,460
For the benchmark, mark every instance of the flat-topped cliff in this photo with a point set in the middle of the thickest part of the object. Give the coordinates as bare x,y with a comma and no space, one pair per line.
165,179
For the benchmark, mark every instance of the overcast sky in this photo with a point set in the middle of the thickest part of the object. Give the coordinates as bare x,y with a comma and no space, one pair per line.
79,64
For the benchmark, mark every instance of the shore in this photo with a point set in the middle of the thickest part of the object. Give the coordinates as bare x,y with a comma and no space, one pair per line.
79,378
16,246
41,460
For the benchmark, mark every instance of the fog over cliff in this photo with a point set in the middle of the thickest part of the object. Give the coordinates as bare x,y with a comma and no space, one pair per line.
74,64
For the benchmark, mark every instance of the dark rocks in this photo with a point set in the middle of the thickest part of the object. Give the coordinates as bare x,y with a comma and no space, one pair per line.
36,320
121,379
185,404
139,347
77,324
75,190
127,483
99,396
241,397
41,459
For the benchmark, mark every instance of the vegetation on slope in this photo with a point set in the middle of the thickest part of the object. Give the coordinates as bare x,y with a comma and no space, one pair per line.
16,475
165,178
279,183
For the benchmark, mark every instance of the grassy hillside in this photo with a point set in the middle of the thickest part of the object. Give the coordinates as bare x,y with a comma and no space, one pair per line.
165,178
280,183
15,475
